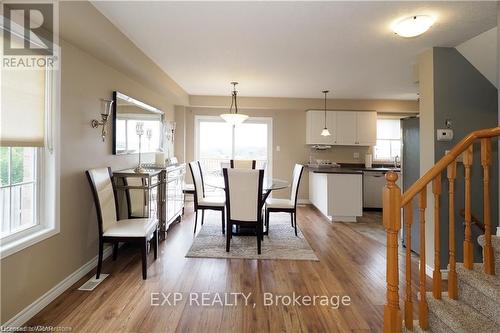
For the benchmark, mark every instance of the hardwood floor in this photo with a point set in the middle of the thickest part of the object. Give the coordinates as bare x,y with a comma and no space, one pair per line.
350,264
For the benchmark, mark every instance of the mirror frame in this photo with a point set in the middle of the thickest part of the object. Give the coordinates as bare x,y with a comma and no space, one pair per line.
152,109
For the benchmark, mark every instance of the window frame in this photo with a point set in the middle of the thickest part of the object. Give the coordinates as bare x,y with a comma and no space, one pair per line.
48,170
256,120
385,160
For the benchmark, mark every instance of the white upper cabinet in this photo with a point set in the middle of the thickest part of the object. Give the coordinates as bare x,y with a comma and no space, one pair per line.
366,128
315,122
347,128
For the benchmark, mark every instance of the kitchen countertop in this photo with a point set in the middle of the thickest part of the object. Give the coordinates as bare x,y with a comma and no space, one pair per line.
349,169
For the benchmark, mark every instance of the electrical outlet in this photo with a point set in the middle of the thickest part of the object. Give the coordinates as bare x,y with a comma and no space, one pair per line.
278,148
355,155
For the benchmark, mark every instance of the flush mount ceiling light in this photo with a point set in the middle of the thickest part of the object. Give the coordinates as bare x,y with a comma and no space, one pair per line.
325,131
413,26
234,118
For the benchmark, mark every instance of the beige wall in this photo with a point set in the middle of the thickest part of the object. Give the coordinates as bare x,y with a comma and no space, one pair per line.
28,274
289,121
426,88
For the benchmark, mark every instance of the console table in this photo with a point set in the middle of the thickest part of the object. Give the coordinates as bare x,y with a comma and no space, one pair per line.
161,190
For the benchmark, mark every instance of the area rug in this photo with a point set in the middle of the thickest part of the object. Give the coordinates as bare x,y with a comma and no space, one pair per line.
281,243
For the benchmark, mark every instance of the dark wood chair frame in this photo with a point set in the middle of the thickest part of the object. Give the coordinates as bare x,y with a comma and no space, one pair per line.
203,207
292,211
231,163
143,241
258,225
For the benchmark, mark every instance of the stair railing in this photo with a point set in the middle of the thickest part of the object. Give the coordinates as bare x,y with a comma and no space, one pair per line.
394,201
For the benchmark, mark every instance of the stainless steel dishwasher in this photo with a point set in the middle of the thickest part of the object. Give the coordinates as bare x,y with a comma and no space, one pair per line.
373,184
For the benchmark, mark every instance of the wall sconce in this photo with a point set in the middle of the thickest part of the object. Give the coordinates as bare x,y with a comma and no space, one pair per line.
107,107
171,132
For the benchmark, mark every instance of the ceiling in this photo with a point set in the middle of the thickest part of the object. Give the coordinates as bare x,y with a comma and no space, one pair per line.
293,49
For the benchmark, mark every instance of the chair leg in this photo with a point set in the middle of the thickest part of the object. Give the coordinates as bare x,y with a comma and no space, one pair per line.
228,236
155,244
259,235
99,260
267,220
195,220
291,218
144,249
115,250
202,216
223,221
295,222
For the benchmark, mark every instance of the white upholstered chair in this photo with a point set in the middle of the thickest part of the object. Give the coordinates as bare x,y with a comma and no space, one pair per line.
112,230
287,205
242,164
244,201
200,201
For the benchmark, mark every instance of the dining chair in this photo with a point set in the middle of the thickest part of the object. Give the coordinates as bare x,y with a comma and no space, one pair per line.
136,198
112,230
244,201
200,201
187,189
286,205
242,164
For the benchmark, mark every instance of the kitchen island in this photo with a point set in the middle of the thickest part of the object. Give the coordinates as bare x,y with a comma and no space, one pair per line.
337,192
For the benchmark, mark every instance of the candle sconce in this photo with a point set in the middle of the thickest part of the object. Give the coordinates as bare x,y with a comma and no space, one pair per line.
107,106
171,131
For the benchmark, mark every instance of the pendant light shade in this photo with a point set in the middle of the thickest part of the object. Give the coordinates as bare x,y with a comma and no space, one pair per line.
234,118
325,131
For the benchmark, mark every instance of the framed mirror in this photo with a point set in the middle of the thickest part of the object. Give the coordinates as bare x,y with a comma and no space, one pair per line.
128,113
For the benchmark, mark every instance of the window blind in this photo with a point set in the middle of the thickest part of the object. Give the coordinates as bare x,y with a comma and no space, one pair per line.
22,107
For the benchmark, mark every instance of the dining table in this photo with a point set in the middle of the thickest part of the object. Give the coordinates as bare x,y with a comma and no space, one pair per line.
269,184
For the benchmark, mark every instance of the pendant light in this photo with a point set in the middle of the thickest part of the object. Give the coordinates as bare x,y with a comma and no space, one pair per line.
234,118
325,131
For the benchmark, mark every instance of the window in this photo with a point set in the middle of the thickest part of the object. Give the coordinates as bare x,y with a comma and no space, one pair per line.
388,139
18,189
217,142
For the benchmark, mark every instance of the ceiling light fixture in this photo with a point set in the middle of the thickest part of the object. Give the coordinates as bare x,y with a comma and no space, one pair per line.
325,131
413,26
234,118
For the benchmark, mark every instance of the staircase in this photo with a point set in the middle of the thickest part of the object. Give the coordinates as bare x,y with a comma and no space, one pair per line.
472,300
478,306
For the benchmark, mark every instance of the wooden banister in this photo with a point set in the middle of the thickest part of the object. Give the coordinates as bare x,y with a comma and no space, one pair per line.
468,254
441,165
489,262
392,222
394,201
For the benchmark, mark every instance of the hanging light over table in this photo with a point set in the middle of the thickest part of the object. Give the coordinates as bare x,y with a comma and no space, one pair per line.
234,118
325,131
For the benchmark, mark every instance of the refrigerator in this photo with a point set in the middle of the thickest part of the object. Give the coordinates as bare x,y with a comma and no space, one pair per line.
410,171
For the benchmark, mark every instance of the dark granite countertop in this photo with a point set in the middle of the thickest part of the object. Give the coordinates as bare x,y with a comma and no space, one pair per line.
354,169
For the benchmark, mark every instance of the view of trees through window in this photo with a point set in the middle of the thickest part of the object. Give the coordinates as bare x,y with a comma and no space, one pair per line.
17,188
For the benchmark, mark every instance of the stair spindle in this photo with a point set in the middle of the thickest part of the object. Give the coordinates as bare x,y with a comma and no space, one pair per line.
423,307
436,276
489,262
392,223
468,246
408,300
452,274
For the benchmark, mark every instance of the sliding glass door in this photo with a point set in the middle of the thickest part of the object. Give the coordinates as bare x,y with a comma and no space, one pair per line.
216,142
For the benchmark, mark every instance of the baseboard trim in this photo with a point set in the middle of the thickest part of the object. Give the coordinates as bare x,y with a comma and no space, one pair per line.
31,310
303,202
429,271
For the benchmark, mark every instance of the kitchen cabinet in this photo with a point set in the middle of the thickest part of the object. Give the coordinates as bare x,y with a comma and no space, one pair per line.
366,128
315,122
338,196
348,128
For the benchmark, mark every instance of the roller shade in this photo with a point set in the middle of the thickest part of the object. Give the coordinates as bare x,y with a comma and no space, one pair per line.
22,107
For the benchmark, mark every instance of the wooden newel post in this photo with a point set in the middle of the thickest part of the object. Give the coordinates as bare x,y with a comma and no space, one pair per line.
392,223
